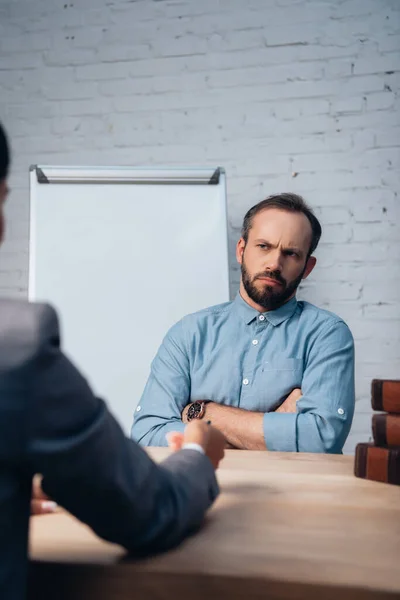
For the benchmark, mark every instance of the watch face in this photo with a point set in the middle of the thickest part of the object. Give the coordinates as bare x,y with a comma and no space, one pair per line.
195,411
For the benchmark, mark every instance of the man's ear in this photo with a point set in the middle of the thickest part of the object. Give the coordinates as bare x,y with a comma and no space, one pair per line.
310,264
240,246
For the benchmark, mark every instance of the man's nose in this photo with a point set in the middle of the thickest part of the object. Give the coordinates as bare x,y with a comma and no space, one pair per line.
273,261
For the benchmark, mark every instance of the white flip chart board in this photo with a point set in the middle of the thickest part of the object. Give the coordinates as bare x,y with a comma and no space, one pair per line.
122,254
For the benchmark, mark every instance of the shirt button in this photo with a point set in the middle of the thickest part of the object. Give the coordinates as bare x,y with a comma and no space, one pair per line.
254,342
245,381
138,408
340,411
262,318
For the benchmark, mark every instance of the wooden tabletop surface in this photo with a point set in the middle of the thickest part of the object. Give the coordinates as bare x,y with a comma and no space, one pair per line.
285,526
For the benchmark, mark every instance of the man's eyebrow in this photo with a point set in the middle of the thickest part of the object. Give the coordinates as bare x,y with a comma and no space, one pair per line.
292,248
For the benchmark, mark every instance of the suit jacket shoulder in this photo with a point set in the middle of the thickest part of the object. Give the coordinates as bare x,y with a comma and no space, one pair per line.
25,327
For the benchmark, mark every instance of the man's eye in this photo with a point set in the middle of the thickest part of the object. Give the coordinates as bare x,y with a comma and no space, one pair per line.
262,246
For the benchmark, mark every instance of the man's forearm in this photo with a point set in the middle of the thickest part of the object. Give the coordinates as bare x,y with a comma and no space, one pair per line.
243,429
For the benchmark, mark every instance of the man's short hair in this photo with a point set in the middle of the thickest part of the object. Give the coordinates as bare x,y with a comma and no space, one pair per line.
4,154
291,203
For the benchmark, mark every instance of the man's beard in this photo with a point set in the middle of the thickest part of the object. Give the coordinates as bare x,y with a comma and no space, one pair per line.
268,297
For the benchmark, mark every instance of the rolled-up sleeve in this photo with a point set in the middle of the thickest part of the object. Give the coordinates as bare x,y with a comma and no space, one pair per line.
325,410
167,392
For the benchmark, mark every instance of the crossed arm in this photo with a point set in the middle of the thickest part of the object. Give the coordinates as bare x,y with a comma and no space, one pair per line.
319,421
243,429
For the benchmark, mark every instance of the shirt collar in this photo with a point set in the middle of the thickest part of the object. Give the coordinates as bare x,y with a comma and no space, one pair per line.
275,317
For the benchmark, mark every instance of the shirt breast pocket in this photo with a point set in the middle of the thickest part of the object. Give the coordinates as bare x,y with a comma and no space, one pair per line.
279,376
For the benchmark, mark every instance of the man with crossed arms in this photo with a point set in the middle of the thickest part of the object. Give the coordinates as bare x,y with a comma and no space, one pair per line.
269,371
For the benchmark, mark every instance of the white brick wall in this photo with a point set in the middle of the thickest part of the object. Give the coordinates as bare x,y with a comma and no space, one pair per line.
265,88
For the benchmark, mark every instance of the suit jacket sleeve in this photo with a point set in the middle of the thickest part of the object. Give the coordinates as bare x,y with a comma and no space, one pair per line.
94,471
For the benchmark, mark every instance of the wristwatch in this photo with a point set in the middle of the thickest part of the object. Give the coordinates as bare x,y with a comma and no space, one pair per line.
196,410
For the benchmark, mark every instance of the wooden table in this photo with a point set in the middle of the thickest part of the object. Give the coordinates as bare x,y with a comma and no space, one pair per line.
286,526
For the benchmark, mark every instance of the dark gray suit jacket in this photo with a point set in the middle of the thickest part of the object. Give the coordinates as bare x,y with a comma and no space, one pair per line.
51,423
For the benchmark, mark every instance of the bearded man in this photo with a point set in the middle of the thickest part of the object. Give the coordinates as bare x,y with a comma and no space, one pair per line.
269,371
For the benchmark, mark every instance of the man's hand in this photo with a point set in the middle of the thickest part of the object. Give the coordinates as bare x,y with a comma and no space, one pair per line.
228,446
40,503
175,440
198,432
289,405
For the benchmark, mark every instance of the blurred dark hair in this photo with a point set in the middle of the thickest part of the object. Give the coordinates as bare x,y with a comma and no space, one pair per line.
291,203
4,154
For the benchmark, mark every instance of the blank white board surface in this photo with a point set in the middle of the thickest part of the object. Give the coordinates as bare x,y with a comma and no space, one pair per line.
123,254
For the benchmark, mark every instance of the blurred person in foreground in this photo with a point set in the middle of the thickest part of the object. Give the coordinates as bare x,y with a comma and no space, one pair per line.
51,423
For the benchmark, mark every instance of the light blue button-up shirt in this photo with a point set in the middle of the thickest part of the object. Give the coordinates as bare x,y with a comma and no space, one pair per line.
236,356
